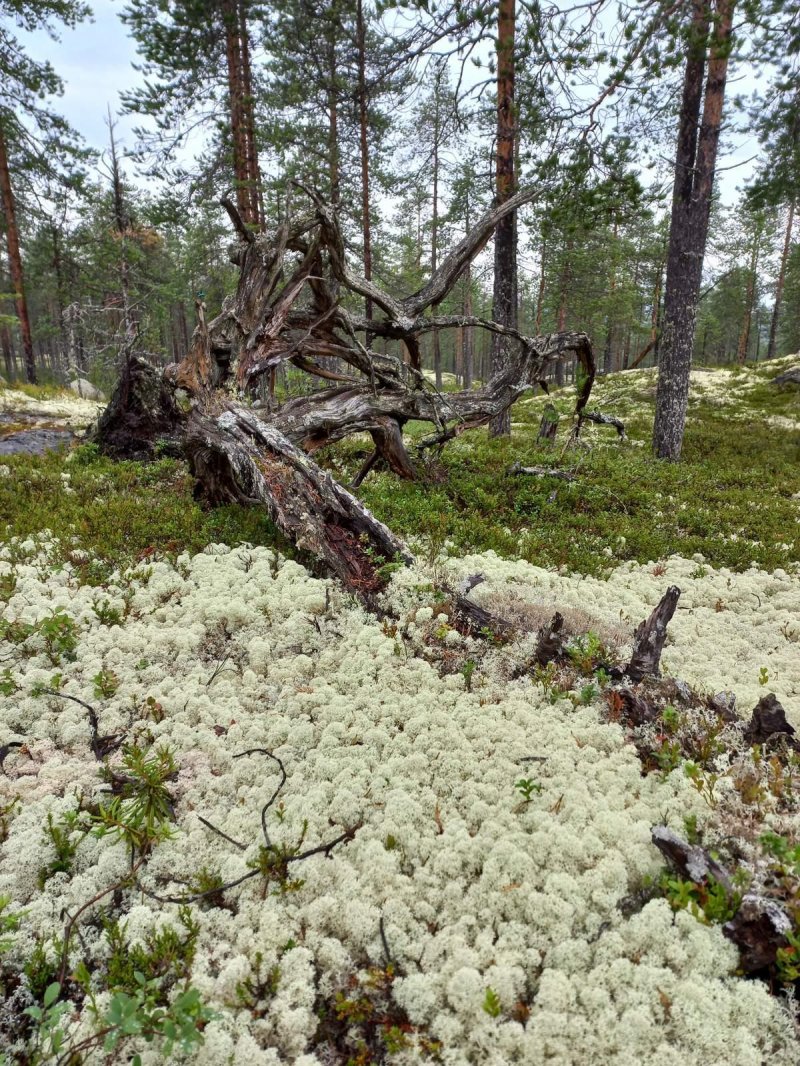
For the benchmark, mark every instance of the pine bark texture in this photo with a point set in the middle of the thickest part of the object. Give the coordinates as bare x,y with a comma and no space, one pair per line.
437,351
750,299
776,310
363,129
695,163
15,261
240,104
504,307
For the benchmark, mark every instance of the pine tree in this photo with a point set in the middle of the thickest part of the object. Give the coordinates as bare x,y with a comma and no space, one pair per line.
24,81
197,61
504,305
705,75
776,118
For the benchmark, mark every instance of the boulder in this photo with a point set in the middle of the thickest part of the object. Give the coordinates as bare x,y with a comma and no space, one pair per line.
87,390
788,377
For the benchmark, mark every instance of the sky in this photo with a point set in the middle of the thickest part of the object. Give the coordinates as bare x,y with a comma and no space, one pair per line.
95,62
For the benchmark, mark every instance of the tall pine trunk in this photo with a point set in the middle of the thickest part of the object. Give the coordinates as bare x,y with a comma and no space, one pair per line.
504,304
695,163
240,106
776,310
122,223
467,335
608,348
15,260
744,334
561,316
363,128
540,294
8,352
437,352
333,121
248,120
6,342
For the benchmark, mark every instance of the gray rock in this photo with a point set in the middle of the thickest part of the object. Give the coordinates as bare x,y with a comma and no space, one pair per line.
34,441
87,390
788,377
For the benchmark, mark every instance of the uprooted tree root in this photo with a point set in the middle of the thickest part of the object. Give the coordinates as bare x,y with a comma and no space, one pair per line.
289,308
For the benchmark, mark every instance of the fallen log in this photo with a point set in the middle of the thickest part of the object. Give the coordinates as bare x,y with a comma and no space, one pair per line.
237,458
541,471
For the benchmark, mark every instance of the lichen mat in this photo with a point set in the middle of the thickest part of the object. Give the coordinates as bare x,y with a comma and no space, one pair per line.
468,889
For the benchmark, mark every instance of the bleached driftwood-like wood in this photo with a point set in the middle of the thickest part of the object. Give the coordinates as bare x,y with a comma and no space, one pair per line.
289,307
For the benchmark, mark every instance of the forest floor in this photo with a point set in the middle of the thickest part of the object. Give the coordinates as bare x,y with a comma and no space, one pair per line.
184,705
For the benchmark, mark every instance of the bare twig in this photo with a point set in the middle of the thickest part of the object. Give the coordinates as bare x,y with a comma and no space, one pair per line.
274,796
101,746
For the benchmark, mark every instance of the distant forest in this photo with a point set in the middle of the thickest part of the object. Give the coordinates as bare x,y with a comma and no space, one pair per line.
403,117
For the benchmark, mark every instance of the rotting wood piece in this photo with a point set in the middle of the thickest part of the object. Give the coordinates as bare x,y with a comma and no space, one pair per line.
768,724
473,620
635,708
550,640
690,860
236,458
541,471
759,926
650,635
758,929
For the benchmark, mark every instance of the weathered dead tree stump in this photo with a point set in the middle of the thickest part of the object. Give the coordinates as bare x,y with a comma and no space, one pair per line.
650,636
549,424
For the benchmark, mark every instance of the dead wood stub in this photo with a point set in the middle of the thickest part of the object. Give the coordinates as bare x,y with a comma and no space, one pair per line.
650,636
550,642
548,424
